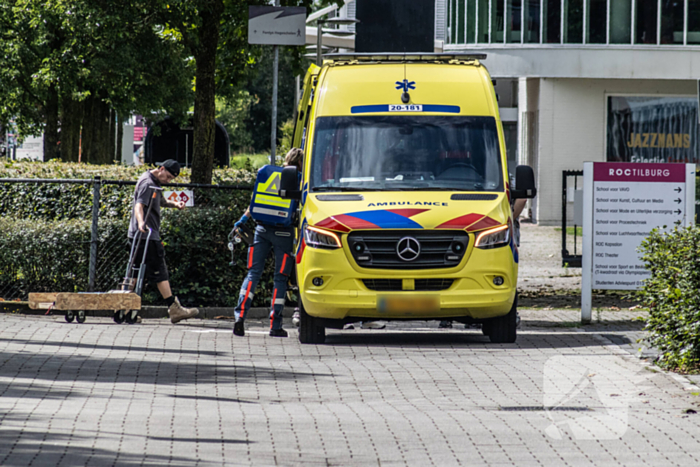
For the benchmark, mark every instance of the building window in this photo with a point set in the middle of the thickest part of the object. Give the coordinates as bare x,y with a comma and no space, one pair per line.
652,129
514,14
645,21
621,22
497,14
672,22
483,21
573,14
532,21
693,22
552,21
596,12
471,21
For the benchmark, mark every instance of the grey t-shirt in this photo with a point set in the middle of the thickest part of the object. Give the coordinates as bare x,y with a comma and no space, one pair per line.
143,194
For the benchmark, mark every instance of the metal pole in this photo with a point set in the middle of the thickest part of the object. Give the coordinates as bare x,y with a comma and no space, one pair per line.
273,132
93,236
273,137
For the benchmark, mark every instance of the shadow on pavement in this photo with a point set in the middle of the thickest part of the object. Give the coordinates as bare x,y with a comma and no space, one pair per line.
34,448
468,338
126,348
60,368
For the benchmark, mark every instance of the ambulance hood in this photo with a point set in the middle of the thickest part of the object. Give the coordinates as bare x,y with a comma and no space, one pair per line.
345,212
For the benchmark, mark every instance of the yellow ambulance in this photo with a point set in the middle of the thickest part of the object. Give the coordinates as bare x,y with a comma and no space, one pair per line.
405,201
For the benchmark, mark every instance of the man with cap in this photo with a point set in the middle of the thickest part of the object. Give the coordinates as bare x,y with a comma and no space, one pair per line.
156,269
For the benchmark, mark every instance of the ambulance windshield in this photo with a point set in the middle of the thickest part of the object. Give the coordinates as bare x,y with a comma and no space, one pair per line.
395,153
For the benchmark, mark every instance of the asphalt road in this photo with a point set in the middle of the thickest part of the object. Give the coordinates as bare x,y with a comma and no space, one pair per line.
193,394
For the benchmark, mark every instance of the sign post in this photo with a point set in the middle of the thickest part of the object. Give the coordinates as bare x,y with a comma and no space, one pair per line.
622,203
275,25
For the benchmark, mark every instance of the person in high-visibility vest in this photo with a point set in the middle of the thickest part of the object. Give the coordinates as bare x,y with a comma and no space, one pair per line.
274,231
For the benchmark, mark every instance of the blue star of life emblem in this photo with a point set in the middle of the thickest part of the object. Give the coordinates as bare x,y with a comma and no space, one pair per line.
405,85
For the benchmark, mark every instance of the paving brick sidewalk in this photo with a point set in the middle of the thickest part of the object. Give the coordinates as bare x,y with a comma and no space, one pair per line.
157,394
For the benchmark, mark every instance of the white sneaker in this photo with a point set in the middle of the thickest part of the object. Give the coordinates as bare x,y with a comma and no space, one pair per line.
373,324
296,318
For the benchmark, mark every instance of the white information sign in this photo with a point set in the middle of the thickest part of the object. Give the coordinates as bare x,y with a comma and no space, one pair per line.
623,202
31,148
187,196
274,25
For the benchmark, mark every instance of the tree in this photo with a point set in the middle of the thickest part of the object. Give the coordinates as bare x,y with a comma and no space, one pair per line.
215,31
85,58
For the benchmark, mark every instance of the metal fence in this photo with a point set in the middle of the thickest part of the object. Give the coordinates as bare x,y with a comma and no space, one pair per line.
571,218
66,235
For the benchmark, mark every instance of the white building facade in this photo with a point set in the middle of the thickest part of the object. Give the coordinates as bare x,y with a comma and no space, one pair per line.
585,80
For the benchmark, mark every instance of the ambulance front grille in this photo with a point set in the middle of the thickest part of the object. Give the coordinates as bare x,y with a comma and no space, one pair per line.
396,285
377,249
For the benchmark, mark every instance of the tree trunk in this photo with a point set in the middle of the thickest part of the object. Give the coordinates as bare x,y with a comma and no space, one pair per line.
120,136
111,141
96,131
88,130
205,93
101,144
51,129
71,112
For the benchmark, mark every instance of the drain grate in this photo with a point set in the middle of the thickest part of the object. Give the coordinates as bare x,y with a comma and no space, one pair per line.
542,408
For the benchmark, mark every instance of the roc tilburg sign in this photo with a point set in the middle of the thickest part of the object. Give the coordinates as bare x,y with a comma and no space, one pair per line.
622,203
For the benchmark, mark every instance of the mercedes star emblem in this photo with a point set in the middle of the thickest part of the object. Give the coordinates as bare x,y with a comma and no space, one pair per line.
408,248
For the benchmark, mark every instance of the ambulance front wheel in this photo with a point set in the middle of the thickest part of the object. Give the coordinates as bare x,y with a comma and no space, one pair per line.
504,330
311,330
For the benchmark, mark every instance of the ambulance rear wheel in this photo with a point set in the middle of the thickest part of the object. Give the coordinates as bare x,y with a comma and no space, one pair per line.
503,330
70,316
80,317
311,331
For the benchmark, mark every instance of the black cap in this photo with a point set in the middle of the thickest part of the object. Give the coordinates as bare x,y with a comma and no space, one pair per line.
171,166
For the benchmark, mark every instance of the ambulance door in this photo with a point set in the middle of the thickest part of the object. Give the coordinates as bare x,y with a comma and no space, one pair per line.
302,123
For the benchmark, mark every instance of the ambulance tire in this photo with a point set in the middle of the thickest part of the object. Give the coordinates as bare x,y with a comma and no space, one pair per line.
310,329
503,330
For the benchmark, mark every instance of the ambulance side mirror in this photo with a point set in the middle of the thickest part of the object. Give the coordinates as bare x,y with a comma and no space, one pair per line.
289,183
524,183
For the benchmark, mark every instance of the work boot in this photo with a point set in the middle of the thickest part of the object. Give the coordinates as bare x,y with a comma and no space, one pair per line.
278,333
238,329
178,313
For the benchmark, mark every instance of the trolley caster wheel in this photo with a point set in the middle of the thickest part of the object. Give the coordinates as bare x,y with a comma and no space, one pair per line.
119,316
70,316
80,317
130,316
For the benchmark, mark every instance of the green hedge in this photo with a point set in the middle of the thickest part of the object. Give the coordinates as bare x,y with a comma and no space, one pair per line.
42,256
671,293
45,235
74,201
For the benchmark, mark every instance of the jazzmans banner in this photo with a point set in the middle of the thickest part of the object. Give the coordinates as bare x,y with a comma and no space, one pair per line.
652,129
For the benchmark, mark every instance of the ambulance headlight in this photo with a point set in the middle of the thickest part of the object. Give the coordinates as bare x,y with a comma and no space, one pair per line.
493,238
319,238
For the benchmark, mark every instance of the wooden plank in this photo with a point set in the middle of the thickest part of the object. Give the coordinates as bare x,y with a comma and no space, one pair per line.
98,301
41,301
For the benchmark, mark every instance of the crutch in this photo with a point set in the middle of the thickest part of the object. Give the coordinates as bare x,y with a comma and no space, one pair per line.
129,284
